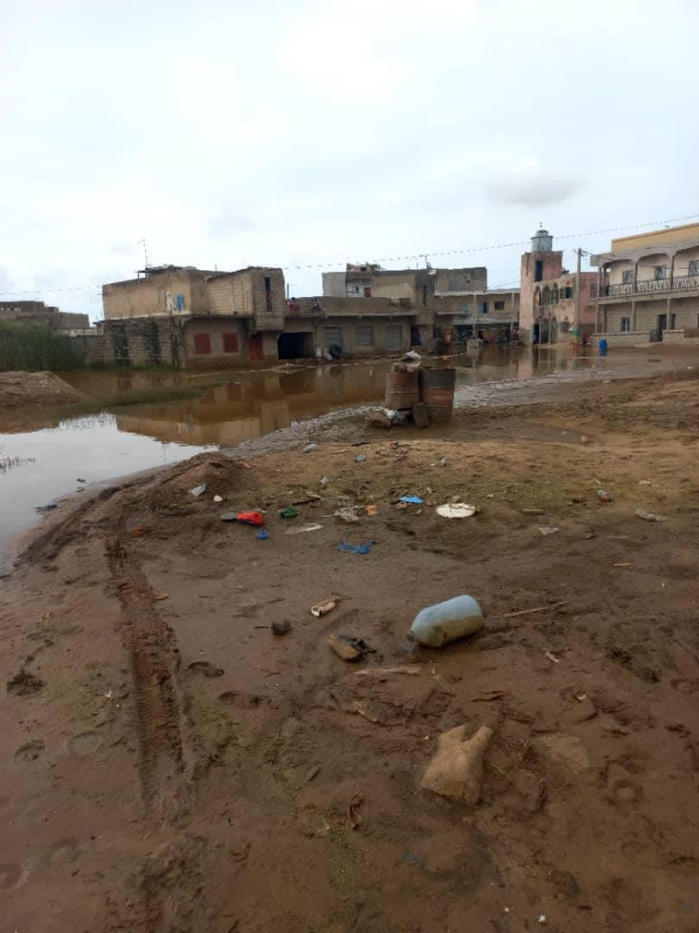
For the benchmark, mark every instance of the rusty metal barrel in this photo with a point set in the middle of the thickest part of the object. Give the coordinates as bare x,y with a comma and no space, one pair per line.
402,391
437,393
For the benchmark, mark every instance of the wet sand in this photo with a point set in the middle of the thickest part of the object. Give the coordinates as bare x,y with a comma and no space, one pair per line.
174,766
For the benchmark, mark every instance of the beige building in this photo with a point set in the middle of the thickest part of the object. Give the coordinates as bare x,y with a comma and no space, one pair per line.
492,314
649,287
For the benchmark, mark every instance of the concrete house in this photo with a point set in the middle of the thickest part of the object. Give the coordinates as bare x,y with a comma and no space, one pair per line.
649,287
549,294
187,317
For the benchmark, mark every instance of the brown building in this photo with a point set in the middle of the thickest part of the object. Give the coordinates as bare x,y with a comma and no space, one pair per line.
649,287
188,317
36,312
491,315
549,295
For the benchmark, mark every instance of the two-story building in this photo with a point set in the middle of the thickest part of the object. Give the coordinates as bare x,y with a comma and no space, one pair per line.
649,287
187,317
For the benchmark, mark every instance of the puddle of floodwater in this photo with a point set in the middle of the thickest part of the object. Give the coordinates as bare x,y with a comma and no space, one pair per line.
39,466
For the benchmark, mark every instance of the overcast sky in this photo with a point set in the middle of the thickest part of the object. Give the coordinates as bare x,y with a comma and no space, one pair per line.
229,133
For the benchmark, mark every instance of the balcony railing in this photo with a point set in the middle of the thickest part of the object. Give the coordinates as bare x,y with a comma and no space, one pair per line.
645,286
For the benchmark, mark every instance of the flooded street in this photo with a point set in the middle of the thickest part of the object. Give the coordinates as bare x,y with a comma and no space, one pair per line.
51,457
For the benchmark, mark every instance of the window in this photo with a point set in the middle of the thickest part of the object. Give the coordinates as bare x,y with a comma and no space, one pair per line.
539,270
394,337
499,306
660,273
424,295
364,336
268,284
352,290
693,267
367,291
627,277
332,337
231,344
268,294
484,307
568,291
626,325
202,343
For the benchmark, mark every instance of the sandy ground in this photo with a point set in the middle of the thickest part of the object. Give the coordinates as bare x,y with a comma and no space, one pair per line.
171,765
22,390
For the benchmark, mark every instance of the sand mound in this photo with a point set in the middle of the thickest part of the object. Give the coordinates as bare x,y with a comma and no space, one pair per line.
221,475
24,390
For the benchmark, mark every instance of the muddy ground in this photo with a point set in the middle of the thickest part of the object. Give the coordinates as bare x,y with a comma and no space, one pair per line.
170,765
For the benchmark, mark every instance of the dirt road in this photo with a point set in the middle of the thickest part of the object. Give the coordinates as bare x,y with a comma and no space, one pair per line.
171,765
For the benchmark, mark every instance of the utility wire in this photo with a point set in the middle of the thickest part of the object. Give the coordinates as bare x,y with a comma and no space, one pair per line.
420,255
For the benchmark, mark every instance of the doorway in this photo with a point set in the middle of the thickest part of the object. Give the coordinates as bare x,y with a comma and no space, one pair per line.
295,346
662,325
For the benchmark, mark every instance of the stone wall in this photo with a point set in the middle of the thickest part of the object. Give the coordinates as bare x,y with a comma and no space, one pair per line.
149,342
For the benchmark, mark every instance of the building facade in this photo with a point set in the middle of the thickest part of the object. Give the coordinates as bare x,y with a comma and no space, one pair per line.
649,287
549,295
36,312
491,315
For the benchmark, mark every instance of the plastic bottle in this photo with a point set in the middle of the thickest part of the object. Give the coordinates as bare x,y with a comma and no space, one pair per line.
444,622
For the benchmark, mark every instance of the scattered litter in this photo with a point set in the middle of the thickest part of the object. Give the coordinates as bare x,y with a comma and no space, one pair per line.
623,564
353,817
302,529
581,697
160,596
442,462
584,439
46,508
218,498
356,548
324,481
412,355
138,531
349,648
548,530
281,628
644,482
542,919
308,497
80,480
443,622
262,535
251,518
198,490
322,609
372,510
359,707
229,516
604,496
456,771
552,657
412,500
380,417
526,612
347,515
309,447
456,510
648,516
360,458
532,511
288,512
490,696
383,671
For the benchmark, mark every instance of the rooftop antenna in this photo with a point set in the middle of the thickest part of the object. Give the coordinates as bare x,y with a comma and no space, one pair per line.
145,251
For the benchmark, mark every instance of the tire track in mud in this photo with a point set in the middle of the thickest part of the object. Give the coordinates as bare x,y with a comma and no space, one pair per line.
154,659
165,787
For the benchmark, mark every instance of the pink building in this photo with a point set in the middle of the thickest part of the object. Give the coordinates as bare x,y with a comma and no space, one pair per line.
548,295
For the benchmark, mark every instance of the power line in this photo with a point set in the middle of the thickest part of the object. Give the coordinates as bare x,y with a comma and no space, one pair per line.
411,256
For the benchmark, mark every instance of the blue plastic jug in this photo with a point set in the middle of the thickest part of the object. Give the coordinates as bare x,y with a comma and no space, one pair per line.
444,622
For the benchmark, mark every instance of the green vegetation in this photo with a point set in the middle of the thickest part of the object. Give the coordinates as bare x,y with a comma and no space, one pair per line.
34,347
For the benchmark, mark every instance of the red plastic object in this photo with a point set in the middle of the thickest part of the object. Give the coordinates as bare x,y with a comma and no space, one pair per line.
251,518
